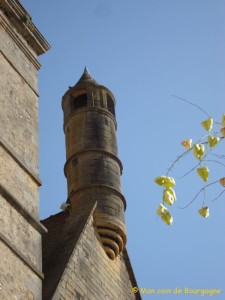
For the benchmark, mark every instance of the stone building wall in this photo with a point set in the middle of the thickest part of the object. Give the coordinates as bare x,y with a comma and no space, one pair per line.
18,281
92,275
19,134
20,230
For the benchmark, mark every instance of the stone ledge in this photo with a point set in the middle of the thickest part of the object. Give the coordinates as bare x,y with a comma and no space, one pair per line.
88,109
21,256
21,19
101,186
18,206
6,147
103,151
18,72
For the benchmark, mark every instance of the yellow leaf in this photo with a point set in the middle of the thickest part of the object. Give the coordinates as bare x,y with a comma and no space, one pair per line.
187,143
165,215
203,173
169,181
169,196
223,120
198,150
222,181
167,218
159,180
161,210
213,140
204,212
165,181
222,130
207,124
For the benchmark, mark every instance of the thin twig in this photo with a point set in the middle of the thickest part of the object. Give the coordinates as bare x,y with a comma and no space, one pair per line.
189,102
190,170
212,160
176,160
218,156
203,202
186,153
218,196
189,150
198,194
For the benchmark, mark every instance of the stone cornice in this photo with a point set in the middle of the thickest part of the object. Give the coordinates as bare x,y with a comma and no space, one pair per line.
32,58
99,186
20,18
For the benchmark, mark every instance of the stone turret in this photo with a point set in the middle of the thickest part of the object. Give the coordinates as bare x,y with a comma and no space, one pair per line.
92,167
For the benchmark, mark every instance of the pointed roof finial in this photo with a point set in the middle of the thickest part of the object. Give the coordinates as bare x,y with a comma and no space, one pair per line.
86,74
86,77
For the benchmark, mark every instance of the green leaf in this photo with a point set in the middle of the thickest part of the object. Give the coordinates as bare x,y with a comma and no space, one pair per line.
159,180
213,140
207,124
169,181
203,173
198,150
165,215
167,218
204,212
169,196
161,210
166,181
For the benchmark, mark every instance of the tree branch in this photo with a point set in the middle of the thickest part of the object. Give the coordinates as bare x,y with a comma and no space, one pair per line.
202,189
189,102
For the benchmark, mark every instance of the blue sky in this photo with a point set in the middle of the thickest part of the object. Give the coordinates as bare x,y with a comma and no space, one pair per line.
144,52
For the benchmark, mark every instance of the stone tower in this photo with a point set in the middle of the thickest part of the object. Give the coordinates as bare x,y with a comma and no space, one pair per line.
84,253
93,168
20,230
84,246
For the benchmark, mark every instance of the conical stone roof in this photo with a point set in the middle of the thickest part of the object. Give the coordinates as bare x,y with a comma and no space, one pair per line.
86,78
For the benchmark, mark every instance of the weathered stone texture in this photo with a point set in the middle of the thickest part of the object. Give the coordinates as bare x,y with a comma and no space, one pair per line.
18,115
91,274
19,183
20,239
21,234
16,50
17,282
93,167
90,129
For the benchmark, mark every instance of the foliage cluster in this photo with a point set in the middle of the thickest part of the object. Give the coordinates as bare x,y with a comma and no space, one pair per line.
200,150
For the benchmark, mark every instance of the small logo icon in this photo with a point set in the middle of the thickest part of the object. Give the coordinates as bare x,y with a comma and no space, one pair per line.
134,290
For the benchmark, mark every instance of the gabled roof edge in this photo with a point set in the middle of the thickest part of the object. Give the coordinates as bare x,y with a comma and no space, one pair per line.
52,268
131,273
